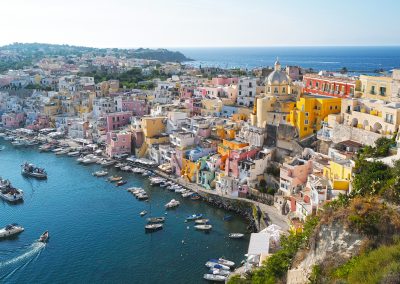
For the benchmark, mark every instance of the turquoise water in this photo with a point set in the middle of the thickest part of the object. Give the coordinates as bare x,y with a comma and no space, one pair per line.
96,233
358,59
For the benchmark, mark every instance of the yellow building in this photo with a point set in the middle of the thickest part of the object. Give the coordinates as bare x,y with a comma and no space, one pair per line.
376,87
339,174
225,148
153,126
52,108
190,169
310,112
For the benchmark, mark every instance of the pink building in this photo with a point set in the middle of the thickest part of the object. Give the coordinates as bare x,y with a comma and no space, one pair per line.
293,175
13,120
194,105
235,156
118,143
224,81
186,92
117,120
41,122
137,107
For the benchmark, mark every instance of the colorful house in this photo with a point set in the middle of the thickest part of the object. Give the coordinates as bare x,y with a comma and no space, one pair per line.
117,120
118,143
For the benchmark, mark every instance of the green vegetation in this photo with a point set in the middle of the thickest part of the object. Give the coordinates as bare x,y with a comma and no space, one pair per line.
132,78
381,149
276,266
20,55
378,266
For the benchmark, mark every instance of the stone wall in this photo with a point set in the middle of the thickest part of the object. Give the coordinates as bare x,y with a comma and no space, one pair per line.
343,132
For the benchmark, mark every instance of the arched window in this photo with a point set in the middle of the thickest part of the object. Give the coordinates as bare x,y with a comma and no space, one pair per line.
275,90
283,90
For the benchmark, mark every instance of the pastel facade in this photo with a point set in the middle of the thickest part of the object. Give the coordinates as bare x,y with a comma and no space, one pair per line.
333,86
376,87
339,173
311,111
246,91
117,120
118,143
13,120
293,175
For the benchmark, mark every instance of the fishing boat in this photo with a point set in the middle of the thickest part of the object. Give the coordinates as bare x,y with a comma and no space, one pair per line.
144,212
10,230
153,227
121,182
212,264
203,227
173,203
31,170
194,217
10,193
217,271
100,173
214,277
195,197
236,235
223,262
114,178
44,237
201,221
154,220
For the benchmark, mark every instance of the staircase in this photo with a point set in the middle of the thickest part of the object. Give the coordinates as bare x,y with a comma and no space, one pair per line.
143,150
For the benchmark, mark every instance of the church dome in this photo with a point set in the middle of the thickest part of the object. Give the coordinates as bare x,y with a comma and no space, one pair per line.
277,77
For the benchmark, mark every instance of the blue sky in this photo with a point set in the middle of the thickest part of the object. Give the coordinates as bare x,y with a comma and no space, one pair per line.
200,23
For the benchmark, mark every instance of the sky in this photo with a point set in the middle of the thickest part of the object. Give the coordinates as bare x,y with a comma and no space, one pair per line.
200,23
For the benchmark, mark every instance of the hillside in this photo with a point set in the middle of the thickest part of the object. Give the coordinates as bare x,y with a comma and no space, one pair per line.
18,55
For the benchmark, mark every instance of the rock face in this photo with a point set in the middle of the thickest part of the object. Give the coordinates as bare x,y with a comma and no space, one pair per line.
331,244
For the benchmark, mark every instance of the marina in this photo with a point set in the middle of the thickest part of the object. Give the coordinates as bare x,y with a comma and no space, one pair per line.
79,207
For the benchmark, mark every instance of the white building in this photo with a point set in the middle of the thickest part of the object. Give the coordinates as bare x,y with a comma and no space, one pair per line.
246,91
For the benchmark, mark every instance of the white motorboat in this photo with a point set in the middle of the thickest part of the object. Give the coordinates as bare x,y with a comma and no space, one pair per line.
187,194
135,190
214,277
201,221
19,142
57,150
173,203
100,173
223,262
10,230
63,152
73,154
44,237
217,271
212,264
203,227
90,159
154,220
236,235
144,212
126,168
153,227
142,196
107,163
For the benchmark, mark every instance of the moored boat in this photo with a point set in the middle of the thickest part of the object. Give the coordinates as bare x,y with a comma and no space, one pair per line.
195,197
10,193
10,230
218,271
73,154
212,264
121,182
173,203
154,220
144,212
236,235
114,178
194,217
153,227
203,227
215,277
224,262
201,221
33,171
100,173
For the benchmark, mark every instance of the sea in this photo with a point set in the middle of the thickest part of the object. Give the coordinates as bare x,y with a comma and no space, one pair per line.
96,233
357,59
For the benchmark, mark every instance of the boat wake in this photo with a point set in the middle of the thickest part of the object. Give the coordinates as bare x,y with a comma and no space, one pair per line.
14,264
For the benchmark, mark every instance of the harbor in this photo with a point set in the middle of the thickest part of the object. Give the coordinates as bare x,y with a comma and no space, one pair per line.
77,207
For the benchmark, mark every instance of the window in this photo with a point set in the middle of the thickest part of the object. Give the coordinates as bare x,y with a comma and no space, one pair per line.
330,107
372,92
275,90
310,83
250,93
306,114
269,89
382,91
240,93
335,107
306,122
283,90
305,128
250,85
317,85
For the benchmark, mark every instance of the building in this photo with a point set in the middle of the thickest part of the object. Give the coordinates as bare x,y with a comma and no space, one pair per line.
329,85
246,92
118,143
376,87
311,111
117,120
293,175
